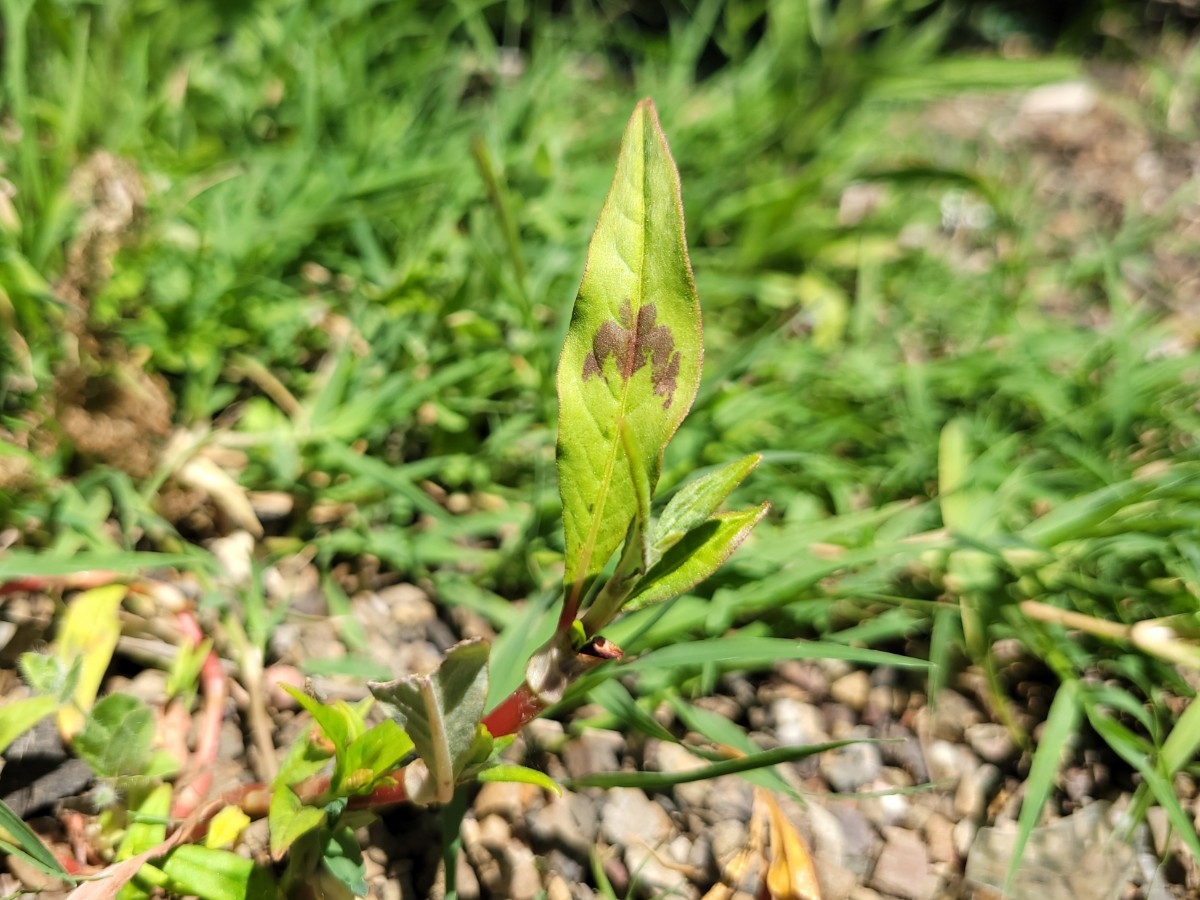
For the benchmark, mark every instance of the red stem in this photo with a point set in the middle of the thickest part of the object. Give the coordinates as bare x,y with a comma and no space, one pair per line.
215,688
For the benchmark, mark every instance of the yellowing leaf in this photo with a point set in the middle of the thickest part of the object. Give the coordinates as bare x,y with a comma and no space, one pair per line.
90,628
790,875
225,827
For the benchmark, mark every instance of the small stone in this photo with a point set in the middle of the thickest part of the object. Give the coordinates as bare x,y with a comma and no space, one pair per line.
859,838
991,741
728,797
409,606
886,809
568,821
557,888
964,835
807,676
595,750
903,867
1067,98
848,768
949,762
629,816
951,714
974,791
524,882
852,690
939,835
512,800
798,724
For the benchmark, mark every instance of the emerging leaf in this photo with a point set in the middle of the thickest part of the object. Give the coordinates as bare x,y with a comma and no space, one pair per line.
700,553
630,366
697,500
440,712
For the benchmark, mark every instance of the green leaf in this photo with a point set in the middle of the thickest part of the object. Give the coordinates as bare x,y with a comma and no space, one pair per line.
117,737
1062,722
18,717
521,774
341,724
748,652
632,354
613,697
344,861
289,819
701,552
696,501
656,781
29,845
48,674
376,752
149,828
198,871
440,711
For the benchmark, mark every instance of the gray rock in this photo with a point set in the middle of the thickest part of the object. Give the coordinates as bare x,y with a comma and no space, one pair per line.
798,724
903,867
628,815
1075,858
568,822
859,838
595,750
991,741
849,768
974,790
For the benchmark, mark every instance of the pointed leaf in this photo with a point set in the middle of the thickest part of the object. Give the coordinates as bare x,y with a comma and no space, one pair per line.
289,820
698,555
696,501
632,353
520,774
440,711
28,843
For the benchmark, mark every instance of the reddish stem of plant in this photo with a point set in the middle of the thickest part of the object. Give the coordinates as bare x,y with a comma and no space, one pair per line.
89,578
516,711
215,689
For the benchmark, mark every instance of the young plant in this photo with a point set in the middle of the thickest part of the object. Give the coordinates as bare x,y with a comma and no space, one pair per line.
628,375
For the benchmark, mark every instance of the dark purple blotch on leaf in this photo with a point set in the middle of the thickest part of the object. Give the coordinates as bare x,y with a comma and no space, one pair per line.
632,345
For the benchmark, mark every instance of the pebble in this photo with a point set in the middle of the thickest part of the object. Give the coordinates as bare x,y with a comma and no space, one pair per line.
952,713
798,724
903,867
729,797
859,838
807,676
991,741
568,821
628,816
410,608
595,750
949,762
939,834
510,799
849,768
852,690
974,790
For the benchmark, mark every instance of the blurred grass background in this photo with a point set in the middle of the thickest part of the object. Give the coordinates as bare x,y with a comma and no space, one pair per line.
329,251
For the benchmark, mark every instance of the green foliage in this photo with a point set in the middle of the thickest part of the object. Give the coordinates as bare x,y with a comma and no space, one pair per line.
354,264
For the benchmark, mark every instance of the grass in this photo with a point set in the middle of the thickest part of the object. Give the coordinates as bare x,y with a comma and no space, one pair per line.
362,230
